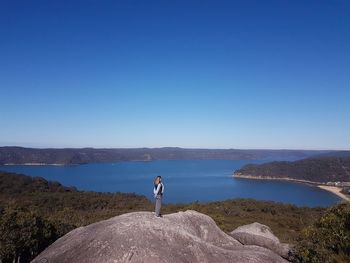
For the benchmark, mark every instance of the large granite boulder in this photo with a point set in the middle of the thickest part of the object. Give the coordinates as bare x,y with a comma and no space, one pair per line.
260,235
141,237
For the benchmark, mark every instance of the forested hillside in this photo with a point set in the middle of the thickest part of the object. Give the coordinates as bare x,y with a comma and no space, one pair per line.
321,169
19,155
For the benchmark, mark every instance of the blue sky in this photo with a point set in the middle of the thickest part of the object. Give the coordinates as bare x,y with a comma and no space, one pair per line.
194,74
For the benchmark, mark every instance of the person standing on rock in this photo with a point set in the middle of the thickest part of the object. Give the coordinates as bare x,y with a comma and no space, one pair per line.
158,191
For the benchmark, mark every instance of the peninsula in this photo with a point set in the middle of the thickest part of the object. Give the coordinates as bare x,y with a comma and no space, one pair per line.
331,173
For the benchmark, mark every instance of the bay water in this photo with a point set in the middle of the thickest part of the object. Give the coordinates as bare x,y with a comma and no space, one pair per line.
185,181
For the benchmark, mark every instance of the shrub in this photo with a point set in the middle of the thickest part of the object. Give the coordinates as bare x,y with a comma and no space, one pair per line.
328,240
23,235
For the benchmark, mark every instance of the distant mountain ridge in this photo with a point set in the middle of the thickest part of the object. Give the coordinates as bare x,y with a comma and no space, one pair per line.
67,156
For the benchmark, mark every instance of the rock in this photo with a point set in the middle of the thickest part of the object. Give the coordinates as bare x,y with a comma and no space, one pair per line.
141,237
260,235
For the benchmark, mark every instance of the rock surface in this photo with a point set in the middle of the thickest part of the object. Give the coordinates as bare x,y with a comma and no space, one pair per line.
260,235
141,237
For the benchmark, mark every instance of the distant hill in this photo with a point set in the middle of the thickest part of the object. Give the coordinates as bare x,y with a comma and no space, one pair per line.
20,155
17,184
320,169
334,154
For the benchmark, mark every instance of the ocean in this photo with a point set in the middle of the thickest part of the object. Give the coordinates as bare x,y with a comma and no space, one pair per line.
185,181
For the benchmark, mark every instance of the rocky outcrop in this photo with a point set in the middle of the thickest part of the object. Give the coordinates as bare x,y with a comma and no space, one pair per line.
141,237
262,236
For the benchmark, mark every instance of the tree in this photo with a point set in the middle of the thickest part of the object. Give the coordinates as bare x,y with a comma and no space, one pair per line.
23,235
328,240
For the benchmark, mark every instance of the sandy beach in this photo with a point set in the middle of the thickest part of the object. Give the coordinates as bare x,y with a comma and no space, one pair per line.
334,190
274,178
34,164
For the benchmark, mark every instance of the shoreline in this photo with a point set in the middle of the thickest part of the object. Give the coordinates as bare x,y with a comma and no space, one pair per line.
332,189
335,190
34,164
277,179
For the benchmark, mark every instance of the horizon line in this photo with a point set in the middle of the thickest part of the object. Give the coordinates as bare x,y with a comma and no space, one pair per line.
174,147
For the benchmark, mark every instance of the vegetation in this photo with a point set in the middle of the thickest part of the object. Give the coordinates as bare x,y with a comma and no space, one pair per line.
19,155
23,235
35,212
328,239
321,169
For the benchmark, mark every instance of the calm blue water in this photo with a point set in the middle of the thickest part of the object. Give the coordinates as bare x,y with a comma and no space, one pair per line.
185,181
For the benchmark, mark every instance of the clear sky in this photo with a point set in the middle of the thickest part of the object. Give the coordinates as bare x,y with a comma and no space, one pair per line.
194,74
